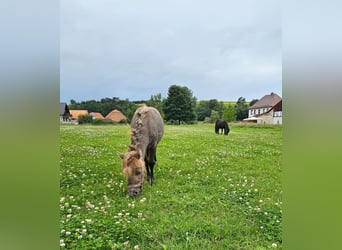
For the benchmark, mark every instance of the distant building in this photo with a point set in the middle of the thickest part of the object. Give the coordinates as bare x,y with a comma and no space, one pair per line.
96,115
116,116
64,113
76,113
268,110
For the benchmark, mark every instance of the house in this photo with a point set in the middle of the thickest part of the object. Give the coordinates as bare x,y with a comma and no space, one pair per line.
268,110
64,113
116,116
96,115
76,113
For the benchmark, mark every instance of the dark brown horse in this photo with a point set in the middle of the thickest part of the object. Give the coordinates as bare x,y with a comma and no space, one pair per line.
221,125
147,128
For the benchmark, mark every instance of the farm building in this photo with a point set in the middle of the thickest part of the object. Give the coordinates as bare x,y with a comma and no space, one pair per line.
268,110
76,113
64,112
96,115
116,116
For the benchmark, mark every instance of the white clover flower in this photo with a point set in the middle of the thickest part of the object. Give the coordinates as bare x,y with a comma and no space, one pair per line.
261,201
79,237
126,244
274,245
69,216
67,233
84,231
136,247
265,213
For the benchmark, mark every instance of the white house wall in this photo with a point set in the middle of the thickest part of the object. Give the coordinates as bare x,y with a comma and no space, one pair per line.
277,120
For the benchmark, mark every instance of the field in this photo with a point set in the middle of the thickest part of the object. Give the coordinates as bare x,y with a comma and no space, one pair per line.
211,191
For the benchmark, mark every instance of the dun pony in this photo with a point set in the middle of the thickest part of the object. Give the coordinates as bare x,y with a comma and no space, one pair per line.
223,125
147,128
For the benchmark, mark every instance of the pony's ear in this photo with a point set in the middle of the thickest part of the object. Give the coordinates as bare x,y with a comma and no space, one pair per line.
121,155
131,147
136,154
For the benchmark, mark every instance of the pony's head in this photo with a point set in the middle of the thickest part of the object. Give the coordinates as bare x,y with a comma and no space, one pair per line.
133,168
226,129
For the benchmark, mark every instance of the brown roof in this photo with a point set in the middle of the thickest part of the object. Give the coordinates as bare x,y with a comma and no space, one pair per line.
97,115
115,115
76,113
267,101
63,108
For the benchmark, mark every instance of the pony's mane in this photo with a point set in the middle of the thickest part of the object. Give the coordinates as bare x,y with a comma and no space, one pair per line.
137,127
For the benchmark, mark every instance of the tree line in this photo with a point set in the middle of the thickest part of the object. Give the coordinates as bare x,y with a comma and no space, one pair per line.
180,106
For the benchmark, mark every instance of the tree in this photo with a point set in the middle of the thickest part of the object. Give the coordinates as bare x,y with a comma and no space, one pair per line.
157,102
85,119
217,106
179,105
229,113
241,109
253,102
204,108
214,115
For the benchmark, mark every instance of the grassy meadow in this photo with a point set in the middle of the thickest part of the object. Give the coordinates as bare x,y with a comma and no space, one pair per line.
211,191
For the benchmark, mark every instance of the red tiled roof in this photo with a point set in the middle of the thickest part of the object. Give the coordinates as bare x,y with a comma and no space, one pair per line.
266,101
115,115
97,115
76,113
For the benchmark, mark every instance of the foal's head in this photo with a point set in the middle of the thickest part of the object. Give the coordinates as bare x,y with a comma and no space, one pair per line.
133,167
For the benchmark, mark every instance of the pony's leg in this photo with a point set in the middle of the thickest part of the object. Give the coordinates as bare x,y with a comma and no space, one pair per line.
152,162
147,167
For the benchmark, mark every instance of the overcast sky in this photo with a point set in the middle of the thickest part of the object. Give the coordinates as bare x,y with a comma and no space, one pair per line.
220,49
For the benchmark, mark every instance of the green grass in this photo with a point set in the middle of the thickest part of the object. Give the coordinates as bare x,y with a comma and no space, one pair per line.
211,191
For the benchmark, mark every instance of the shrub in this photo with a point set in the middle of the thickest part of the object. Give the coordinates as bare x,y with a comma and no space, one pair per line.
85,119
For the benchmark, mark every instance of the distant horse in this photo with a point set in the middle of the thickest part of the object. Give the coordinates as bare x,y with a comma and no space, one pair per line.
147,128
223,125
